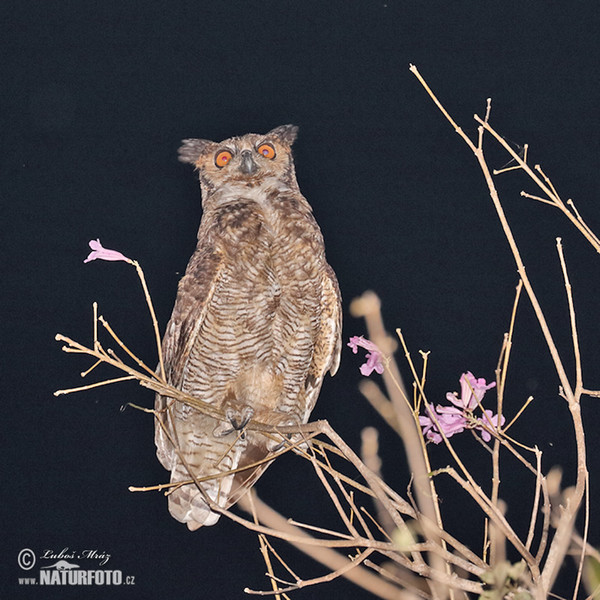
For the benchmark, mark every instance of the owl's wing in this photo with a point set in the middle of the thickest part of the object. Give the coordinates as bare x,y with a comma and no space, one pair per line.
328,342
194,295
332,329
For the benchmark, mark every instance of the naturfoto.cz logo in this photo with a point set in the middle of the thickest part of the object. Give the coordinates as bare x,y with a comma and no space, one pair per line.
59,568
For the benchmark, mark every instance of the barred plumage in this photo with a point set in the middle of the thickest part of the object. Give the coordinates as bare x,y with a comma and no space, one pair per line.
256,322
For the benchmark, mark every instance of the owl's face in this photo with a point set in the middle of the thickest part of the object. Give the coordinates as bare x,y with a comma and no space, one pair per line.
246,160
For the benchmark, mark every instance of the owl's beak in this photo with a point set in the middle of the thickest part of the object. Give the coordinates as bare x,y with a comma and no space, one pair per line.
248,166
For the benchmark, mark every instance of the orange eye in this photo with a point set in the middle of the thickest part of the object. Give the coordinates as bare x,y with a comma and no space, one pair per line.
222,158
267,151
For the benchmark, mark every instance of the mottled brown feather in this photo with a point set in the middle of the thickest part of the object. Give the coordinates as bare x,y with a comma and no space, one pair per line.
256,323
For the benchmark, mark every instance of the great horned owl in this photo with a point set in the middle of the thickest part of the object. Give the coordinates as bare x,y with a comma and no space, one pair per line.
256,322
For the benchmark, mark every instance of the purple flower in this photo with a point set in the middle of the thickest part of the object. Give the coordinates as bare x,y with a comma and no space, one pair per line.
472,391
490,420
374,355
458,417
446,419
104,254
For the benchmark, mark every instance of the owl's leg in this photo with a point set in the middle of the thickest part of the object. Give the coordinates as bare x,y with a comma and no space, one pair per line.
237,421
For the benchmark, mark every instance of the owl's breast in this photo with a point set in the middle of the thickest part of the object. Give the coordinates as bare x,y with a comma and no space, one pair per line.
257,338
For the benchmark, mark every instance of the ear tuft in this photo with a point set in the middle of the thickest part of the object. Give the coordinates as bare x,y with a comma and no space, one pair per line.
286,134
192,149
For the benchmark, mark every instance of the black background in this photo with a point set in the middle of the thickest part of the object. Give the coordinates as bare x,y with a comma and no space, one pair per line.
95,98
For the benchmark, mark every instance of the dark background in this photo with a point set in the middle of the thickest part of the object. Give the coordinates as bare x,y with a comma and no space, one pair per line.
95,98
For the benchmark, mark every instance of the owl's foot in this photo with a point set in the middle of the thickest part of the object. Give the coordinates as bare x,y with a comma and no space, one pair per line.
237,421
287,439
245,415
273,446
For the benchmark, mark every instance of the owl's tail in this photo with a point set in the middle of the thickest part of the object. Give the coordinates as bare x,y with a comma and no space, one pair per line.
200,453
187,504
211,458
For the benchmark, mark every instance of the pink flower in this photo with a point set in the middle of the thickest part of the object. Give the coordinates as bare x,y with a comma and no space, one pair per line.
104,254
374,355
455,419
472,391
489,420
449,421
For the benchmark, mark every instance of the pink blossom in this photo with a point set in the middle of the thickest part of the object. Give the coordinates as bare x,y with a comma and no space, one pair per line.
489,420
98,252
453,419
449,421
374,356
472,391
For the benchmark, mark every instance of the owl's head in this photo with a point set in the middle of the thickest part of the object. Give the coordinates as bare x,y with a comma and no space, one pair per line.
246,160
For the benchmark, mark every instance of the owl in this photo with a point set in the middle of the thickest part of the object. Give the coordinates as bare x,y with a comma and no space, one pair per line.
255,326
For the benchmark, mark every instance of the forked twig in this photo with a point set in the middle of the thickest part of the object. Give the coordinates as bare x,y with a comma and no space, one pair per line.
560,542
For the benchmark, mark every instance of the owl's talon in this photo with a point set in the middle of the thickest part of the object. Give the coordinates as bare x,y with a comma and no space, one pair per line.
288,439
273,446
225,428
222,429
247,414
245,417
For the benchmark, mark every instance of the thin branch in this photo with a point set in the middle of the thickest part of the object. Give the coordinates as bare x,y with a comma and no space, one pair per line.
117,339
325,578
406,579
536,503
323,530
519,413
334,498
574,335
88,371
140,273
494,514
549,190
586,527
349,497
264,550
326,556
91,386
496,543
413,69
